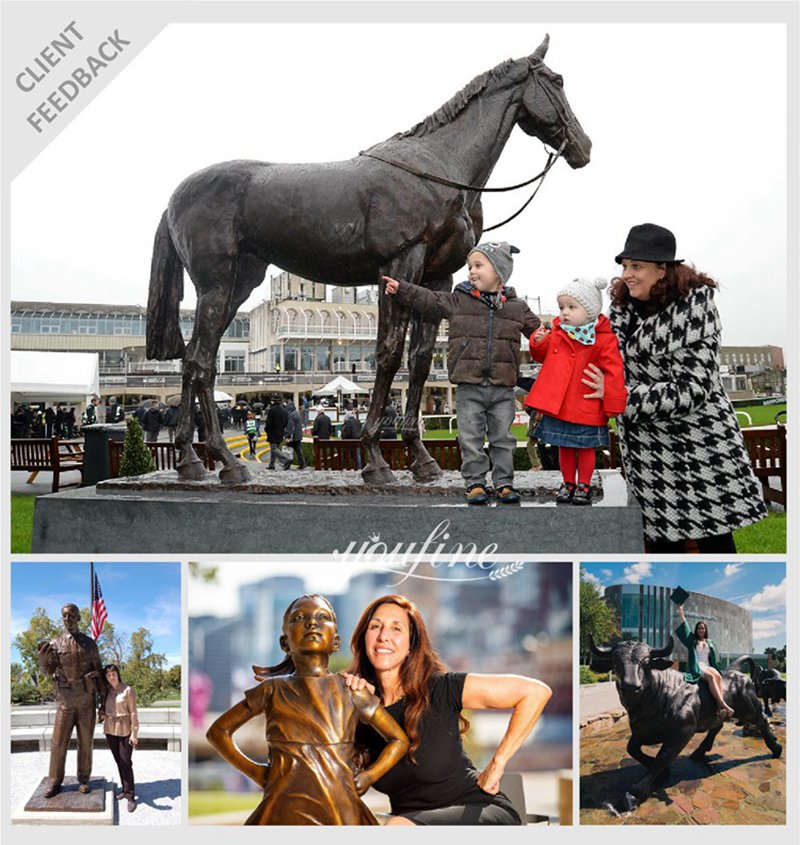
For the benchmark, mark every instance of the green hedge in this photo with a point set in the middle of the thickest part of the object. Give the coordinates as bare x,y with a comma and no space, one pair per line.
586,676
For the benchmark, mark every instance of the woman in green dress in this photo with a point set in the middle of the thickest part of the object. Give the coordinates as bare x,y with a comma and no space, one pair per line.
702,662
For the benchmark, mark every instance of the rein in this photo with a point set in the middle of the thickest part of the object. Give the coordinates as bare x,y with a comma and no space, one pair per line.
431,177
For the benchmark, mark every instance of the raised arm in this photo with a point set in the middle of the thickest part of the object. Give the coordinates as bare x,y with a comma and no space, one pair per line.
433,304
682,632
220,735
397,743
526,697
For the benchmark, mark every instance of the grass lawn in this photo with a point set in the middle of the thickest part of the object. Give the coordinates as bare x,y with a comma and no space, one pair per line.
207,802
765,537
760,414
21,523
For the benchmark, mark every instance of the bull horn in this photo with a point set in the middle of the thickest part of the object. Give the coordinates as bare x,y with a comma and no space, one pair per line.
663,652
598,651
541,50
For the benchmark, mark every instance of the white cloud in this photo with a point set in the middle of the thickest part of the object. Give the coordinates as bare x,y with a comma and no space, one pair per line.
594,581
732,569
766,629
634,573
608,573
772,597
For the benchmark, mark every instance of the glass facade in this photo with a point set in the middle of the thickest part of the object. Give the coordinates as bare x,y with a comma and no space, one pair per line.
32,321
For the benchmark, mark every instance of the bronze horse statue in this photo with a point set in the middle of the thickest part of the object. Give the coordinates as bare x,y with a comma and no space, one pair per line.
346,223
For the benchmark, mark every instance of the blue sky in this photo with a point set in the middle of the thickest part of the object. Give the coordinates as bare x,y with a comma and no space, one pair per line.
137,595
758,587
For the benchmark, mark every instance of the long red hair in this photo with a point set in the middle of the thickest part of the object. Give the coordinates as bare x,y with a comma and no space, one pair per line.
421,664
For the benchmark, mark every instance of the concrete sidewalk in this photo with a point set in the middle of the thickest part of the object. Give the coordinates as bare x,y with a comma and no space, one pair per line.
596,699
157,775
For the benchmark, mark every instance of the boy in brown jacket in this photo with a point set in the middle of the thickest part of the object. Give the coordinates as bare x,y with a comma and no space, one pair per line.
486,319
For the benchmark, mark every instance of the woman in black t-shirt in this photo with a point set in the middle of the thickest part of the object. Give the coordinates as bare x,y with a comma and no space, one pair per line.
436,783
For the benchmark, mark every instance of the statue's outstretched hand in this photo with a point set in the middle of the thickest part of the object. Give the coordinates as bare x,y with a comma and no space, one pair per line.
392,285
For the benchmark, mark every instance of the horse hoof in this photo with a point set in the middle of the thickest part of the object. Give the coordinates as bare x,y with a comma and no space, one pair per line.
238,474
378,475
777,750
192,471
698,756
427,471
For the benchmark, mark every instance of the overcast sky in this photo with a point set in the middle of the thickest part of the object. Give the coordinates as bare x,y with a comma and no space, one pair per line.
687,122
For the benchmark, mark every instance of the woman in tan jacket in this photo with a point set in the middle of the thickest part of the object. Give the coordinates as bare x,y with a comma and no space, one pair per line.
121,727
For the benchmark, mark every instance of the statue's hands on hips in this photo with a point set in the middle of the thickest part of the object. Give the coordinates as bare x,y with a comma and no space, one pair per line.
489,778
392,285
260,774
363,782
595,380
356,682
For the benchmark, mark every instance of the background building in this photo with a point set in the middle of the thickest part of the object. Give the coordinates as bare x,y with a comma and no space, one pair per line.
646,614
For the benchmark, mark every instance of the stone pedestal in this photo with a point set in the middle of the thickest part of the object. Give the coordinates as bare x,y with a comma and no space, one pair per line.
69,807
333,512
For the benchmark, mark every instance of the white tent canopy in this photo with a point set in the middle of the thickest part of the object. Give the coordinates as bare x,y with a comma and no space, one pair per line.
54,376
340,385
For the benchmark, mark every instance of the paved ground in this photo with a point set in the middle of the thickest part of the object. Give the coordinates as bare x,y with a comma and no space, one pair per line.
598,698
157,774
742,784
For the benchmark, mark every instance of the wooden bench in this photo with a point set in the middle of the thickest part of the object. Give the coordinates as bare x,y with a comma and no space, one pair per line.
341,454
164,455
767,450
46,454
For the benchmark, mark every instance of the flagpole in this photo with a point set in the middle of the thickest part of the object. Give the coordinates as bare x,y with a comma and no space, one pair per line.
91,594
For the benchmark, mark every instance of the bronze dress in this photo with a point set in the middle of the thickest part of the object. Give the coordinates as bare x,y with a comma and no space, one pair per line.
311,724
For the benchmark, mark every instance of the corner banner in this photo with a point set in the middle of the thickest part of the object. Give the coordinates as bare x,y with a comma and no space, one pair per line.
56,58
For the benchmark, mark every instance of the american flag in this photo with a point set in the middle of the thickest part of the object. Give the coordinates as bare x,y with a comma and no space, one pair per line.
99,614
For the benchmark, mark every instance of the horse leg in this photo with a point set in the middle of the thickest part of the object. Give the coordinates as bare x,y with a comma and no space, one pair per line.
211,319
188,465
392,325
420,352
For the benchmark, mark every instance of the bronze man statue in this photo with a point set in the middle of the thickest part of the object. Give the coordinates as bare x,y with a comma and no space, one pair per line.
73,661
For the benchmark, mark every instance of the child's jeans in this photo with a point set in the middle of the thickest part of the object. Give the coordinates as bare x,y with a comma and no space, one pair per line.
486,411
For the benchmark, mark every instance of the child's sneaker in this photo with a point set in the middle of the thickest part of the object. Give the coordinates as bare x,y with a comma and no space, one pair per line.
507,495
583,495
565,492
477,495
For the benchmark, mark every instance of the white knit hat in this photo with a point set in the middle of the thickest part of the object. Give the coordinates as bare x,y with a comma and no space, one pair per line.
588,292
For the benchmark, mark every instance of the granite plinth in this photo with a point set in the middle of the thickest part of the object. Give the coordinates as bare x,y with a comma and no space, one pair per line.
333,512
69,806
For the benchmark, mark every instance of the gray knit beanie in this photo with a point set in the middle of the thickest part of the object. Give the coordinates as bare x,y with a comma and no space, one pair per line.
500,254
588,292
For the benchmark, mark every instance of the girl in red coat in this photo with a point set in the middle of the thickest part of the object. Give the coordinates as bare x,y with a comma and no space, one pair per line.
574,420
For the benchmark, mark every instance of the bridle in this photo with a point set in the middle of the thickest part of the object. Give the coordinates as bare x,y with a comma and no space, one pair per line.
552,157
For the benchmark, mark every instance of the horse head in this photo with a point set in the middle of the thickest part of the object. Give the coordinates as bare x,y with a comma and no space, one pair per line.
545,112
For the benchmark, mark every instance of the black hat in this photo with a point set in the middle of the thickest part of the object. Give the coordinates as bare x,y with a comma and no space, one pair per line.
648,242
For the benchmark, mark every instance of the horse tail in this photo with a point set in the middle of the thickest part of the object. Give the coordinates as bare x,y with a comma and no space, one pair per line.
164,338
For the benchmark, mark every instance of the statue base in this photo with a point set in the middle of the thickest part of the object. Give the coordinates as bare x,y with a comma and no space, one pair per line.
70,806
291,512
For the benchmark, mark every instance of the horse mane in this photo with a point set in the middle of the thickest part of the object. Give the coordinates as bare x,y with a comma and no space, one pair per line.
458,102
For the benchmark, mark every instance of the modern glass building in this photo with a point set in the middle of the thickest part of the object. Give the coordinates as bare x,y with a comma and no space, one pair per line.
646,614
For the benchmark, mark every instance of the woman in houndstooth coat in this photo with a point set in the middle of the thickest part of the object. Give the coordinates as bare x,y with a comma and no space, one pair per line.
684,454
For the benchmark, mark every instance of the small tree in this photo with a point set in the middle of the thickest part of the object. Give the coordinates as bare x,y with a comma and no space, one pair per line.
136,457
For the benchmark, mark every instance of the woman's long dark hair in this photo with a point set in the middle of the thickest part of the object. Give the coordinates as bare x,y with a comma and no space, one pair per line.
286,666
679,281
421,664
700,622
